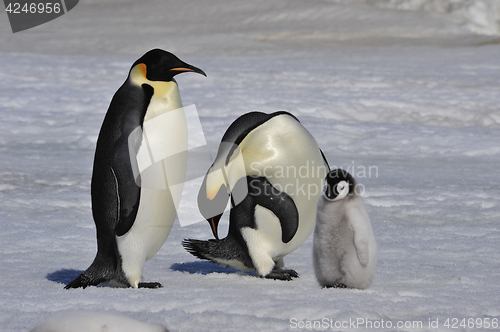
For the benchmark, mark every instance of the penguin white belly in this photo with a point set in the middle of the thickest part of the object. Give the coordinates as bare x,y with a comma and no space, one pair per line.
151,228
284,152
264,243
158,203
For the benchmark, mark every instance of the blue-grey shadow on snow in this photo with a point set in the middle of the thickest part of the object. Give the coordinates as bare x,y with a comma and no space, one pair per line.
64,276
202,267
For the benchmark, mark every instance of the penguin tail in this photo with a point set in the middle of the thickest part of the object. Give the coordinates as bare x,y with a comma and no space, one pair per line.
202,249
221,252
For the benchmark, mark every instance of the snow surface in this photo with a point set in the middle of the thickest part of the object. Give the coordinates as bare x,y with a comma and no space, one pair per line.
480,16
411,96
87,321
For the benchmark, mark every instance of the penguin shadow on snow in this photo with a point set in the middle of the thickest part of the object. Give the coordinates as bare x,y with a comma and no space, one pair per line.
64,276
200,267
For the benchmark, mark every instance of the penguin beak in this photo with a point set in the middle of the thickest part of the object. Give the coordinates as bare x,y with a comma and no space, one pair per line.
188,68
214,225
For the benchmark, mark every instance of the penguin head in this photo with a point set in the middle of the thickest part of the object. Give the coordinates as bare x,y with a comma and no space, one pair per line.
225,179
160,65
338,184
212,208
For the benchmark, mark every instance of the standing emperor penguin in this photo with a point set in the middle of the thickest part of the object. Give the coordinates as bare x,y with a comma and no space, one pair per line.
344,248
272,169
132,213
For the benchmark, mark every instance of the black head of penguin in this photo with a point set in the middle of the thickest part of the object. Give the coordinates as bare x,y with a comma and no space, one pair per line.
161,65
335,183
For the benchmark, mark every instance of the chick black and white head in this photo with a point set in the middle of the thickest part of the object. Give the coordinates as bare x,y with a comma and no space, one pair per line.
338,184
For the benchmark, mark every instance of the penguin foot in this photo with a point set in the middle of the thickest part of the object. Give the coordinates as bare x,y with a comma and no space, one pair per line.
335,285
84,281
279,274
152,285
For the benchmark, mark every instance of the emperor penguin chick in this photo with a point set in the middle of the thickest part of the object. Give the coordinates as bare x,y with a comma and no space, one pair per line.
344,249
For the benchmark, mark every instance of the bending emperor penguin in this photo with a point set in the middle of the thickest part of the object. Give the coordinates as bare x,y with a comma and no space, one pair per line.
344,248
273,171
134,213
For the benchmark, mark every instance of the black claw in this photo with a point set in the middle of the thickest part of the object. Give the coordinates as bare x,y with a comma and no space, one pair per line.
82,281
152,285
279,274
335,285
292,273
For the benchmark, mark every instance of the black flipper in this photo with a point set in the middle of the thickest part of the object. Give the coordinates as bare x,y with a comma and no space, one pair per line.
128,195
262,192
129,191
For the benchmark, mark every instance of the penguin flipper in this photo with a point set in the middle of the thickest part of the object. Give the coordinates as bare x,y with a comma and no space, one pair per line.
278,202
128,194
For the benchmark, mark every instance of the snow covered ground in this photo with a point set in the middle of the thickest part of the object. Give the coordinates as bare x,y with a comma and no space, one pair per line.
411,96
